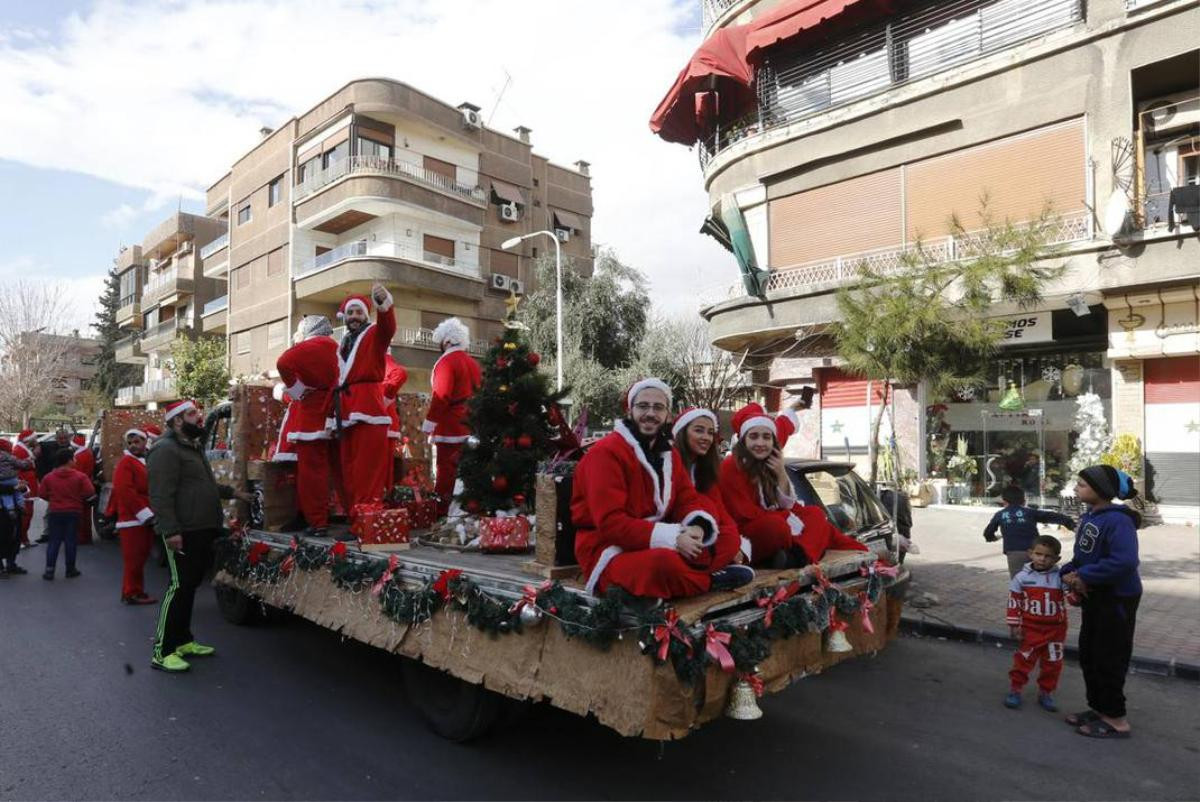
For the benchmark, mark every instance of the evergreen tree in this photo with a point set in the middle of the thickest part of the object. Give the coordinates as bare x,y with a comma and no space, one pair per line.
111,375
199,369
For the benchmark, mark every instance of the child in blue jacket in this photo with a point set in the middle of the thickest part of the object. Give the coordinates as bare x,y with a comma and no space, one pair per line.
1104,572
1018,527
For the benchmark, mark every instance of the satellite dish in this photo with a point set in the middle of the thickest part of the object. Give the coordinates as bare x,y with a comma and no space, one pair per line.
1116,212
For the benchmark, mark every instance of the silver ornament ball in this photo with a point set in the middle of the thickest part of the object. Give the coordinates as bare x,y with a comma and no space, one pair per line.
530,616
472,442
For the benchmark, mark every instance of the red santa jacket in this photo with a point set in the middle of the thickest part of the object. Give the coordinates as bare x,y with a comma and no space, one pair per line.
724,519
619,504
130,500
456,377
809,524
309,372
285,444
29,476
394,377
85,461
361,373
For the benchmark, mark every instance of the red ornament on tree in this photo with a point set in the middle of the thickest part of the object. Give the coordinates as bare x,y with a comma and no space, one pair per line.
508,442
524,441
519,498
500,483
533,358
501,362
472,506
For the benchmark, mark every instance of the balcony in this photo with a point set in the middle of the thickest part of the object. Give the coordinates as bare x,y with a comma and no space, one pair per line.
422,339
128,350
713,10
129,313
214,320
177,280
156,390
129,257
796,86
812,277
127,396
376,165
390,250
161,334
214,246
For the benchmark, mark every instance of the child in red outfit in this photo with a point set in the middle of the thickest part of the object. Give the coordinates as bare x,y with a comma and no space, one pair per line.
68,491
1037,614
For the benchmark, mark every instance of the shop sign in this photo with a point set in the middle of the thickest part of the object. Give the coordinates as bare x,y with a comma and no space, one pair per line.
1034,327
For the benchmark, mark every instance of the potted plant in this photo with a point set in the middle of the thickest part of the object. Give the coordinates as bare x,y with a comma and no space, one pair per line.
961,468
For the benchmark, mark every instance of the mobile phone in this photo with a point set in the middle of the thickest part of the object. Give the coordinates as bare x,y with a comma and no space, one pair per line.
806,396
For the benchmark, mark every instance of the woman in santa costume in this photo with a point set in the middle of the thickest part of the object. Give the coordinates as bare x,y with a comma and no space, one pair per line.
640,524
130,504
309,372
695,432
27,447
360,416
758,494
85,463
455,378
394,377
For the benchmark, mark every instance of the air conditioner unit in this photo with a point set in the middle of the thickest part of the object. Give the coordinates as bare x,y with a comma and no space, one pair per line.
510,212
563,234
472,119
1170,113
516,286
501,281
184,249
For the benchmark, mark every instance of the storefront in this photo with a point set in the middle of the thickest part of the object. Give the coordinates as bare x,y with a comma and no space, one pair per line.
1018,427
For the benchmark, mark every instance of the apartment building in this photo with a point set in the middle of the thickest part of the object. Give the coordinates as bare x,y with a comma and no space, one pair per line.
74,359
377,182
831,134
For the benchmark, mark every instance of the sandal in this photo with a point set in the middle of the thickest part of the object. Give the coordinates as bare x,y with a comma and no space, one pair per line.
1084,717
1101,729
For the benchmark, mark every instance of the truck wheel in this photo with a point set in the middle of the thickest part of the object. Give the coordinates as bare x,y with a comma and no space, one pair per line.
236,607
456,710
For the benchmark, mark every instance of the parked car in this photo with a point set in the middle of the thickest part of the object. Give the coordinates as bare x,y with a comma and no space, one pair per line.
846,498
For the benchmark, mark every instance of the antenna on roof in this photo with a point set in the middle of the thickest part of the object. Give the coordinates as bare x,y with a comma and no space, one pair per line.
500,96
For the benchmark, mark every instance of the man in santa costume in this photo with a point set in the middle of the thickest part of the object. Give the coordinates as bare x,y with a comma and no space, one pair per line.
640,523
360,416
85,463
309,372
455,378
130,504
27,447
394,377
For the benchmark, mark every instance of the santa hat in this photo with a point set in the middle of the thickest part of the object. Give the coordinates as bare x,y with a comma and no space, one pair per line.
178,408
360,301
5,445
649,383
750,417
79,440
451,331
139,432
26,435
152,432
690,414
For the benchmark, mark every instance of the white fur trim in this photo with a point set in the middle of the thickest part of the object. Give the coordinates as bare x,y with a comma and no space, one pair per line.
306,437
278,390
427,426
686,418
794,523
747,548
790,414
350,304
606,557
449,440
359,417
752,423
144,514
135,456
696,515
662,490
395,434
345,365
664,536
138,432
178,410
453,331
387,302
128,524
650,383
80,449
297,390
285,456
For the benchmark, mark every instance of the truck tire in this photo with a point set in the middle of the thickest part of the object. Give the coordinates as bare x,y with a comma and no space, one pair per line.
456,710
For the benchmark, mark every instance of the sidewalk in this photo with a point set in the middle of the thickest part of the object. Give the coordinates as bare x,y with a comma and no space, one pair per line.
969,578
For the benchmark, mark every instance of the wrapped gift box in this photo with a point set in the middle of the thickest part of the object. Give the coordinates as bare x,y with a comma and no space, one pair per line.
380,529
421,514
508,534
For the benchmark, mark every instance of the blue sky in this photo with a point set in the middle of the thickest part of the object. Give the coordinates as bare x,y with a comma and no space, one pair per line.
124,109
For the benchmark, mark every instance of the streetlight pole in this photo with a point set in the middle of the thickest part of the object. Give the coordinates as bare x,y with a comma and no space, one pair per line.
509,244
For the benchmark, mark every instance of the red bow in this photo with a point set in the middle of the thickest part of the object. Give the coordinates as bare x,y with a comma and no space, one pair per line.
442,585
716,643
753,680
393,564
781,594
836,624
257,552
289,562
529,596
338,550
667,630
866,608
411,481
819,578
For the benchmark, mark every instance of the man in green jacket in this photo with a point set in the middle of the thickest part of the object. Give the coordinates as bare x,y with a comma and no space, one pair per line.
186,500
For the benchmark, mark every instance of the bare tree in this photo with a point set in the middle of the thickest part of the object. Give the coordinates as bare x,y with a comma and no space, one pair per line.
34,317
681,351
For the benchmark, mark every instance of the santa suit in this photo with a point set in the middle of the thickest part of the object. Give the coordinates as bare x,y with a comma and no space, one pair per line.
776,524
29,476
394,377
285,450
729,540
363,437
455,378
1037,603
130,503
627,518
309,372
85,463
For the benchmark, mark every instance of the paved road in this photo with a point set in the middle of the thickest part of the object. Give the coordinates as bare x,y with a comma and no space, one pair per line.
292,712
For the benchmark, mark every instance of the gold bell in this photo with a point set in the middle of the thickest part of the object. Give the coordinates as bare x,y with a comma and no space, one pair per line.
742,703
837,642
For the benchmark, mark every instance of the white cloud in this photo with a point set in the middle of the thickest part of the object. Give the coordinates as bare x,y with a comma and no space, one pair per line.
79,295
165,97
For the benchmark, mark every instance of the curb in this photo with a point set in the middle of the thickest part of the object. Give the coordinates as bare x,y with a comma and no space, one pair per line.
1138,663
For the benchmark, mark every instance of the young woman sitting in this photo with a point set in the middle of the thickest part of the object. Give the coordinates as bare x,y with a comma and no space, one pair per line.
759,497
695,432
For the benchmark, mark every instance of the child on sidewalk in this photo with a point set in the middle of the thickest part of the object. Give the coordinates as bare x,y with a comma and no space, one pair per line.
1037,616
1018,526
68,492
12,498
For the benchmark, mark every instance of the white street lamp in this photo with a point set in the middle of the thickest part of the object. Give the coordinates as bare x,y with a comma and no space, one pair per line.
509,244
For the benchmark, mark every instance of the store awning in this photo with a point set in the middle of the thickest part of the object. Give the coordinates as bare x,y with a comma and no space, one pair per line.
792,19
567,220
507,193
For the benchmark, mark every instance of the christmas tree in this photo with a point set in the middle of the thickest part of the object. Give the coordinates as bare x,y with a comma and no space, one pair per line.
1093,436
512,415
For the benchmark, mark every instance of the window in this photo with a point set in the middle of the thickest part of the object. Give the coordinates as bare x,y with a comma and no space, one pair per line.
308,170
369,147
334,155
439,250
243,214
275,262
274,192
277,334
241,342
241,278
441,168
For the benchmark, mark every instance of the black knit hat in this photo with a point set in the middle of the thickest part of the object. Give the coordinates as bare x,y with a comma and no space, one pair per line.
1108,482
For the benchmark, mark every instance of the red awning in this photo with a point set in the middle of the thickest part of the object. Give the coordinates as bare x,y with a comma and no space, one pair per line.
791,19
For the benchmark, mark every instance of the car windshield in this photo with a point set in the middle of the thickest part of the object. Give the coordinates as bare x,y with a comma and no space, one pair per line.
847,498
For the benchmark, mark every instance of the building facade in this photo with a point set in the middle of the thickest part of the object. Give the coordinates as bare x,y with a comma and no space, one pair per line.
852,132
377,182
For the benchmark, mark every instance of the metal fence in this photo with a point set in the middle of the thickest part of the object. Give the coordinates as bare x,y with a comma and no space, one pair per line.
379,165
388,249
711,10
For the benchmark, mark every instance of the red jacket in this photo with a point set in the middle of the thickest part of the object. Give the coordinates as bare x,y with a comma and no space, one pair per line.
85,461
285,444
455,378
724,519
618,503
309,372
809,523
394,377
361,373
20,451
66,489
130,500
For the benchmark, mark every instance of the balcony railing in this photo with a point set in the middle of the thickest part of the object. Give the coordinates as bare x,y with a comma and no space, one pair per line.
847,269
795,86
163,283
217,305
711,10
214,246
362,248
129,349
421,338
127,395
377,165
153,390
161,332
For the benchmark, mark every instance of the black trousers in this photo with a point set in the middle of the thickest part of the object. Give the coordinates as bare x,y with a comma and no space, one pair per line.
188,568
1105,646
10,539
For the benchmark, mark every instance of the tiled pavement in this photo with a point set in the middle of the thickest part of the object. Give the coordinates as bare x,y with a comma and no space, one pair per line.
969,577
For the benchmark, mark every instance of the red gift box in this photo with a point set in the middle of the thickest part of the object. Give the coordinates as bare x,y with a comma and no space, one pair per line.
385,528
361,518
421,514
506,534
